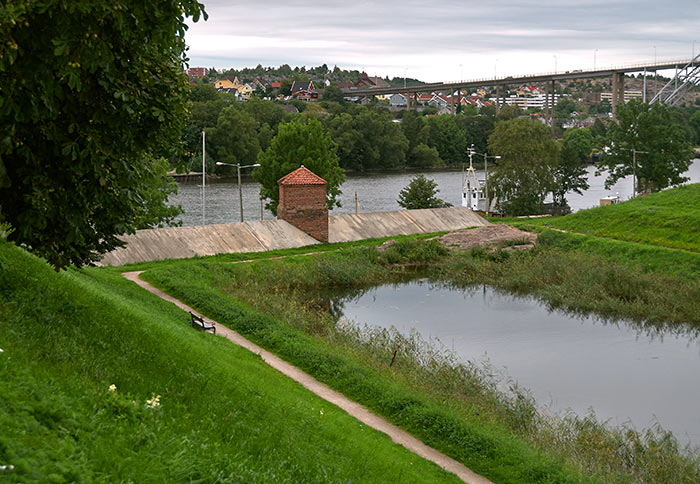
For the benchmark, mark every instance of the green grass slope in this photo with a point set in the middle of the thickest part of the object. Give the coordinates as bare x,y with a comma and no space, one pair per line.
221,414
670,218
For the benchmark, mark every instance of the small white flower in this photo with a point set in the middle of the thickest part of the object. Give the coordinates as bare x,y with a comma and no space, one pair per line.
154,402
112,388
1,350
321,412
7,467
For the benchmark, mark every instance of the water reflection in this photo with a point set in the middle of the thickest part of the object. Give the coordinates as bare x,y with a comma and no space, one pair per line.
622,370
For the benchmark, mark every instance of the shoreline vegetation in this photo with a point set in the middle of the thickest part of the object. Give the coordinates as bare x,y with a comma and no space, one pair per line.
462,398
91,327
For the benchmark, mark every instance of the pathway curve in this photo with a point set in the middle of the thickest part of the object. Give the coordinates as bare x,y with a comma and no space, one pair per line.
356,410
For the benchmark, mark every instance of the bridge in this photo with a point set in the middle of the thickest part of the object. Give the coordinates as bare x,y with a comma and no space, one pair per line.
687,74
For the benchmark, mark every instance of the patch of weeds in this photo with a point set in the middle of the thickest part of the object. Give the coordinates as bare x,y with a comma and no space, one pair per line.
413,251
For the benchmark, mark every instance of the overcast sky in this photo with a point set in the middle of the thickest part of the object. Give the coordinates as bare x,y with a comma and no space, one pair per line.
444,39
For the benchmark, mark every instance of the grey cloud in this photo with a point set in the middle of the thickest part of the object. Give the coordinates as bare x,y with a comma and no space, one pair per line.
382,30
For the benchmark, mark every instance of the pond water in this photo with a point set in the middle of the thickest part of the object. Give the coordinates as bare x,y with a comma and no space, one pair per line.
376,192
622,372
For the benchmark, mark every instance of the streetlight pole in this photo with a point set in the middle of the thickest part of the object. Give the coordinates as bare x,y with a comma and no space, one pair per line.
240,189
655,73
595,52
634,169
486,181
204,158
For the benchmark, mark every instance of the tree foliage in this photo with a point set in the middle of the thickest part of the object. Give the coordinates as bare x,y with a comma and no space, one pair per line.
368,139
571,174
447,138
300,142
525,174
93,95
421,192
652,129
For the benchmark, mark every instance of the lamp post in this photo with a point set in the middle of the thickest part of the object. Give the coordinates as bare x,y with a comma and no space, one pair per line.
595,52
240,190
634,168
486,178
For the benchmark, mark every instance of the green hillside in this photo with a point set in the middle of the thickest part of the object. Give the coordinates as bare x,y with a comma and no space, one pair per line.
188,407
670,218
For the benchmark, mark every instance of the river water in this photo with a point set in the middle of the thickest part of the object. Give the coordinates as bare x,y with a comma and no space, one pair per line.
376,192
622,372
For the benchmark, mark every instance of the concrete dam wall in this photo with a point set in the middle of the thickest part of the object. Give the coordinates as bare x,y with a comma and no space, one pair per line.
259,236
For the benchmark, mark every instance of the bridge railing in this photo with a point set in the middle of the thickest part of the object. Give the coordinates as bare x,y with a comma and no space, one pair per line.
621,67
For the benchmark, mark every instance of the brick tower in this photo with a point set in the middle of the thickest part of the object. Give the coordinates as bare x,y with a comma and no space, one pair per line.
303,202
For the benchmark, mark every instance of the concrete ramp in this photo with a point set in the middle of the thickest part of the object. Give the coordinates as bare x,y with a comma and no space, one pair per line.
185,242
350,227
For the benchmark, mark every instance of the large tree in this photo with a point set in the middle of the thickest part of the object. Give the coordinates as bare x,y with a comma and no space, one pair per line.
525,173
648,128
421,192
93,95
297,143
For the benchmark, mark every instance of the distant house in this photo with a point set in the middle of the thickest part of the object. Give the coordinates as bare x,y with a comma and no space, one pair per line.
246,90
228,83
425,98
306,95
371,82
197,72
224,84
275,85
299,86
438,101
398,100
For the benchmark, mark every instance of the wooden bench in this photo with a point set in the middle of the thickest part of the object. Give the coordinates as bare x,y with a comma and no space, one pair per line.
199,323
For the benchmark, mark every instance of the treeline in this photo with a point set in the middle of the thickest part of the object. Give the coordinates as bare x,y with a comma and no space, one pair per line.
367,137
318,73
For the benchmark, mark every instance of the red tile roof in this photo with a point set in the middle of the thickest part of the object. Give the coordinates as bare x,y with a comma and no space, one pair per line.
301,176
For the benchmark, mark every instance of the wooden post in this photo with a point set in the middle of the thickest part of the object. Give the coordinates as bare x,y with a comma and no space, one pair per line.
355,203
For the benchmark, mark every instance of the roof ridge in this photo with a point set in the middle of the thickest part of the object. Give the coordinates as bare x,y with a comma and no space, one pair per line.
301,176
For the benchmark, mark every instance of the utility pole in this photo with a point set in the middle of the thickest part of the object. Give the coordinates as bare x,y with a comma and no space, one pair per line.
634,168
204,158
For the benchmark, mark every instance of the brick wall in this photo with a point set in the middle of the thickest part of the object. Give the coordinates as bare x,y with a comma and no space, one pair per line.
304,206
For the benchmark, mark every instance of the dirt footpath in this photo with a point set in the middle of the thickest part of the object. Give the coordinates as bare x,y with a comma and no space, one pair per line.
490,235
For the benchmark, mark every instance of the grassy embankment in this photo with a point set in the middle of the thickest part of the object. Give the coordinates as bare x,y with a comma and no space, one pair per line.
188,407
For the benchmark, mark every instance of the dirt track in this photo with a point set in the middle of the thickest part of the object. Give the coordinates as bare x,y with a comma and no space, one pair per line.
489,235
